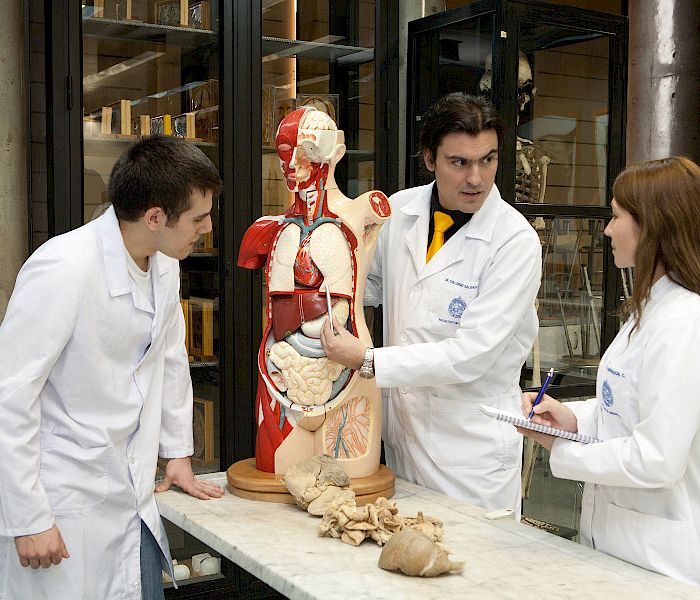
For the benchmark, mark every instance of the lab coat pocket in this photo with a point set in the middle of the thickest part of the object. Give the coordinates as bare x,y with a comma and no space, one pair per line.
75,478
655,543
449,300
461,436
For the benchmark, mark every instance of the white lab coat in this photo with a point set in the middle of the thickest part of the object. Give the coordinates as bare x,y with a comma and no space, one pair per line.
93,386
456,333
642,502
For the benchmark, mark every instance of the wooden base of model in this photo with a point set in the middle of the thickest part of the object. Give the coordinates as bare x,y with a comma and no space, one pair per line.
245,481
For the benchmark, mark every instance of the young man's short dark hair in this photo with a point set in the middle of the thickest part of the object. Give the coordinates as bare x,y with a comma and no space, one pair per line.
458,113
160,171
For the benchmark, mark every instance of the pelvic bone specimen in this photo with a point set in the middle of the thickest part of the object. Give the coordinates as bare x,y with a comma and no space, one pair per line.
414,554
316,482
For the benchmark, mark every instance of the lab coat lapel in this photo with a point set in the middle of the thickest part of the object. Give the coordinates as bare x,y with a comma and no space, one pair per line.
450,253
159,271
418,211
480,227
113,254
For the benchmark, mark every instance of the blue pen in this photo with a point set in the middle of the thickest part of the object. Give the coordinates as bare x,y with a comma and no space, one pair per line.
540,394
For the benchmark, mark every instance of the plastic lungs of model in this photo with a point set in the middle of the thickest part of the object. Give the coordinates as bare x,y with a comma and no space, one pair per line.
306,404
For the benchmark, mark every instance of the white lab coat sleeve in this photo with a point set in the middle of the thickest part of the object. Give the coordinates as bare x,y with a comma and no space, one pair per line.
176,419
656,454
507,292
38,324
585,412
374,282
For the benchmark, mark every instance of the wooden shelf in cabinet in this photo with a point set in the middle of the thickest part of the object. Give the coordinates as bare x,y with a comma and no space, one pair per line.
105,146
193,579
198,364
283,48
123,30
349,154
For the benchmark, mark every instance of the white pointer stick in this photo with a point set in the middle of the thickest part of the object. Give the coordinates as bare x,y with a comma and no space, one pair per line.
330,307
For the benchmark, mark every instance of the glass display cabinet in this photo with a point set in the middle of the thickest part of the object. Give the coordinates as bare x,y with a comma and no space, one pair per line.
557,76
219,74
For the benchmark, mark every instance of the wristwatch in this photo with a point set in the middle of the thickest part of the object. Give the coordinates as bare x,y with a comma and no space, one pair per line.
367,368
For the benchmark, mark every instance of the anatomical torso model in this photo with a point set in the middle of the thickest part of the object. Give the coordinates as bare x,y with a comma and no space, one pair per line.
306,404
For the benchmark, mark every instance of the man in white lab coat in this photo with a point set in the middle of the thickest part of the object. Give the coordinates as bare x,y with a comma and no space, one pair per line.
457,270
95,384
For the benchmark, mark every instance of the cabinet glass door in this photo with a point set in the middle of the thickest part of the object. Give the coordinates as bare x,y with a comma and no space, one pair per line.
561,158
151,66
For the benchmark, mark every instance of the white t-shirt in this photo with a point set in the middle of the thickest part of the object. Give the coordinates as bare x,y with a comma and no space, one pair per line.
141,280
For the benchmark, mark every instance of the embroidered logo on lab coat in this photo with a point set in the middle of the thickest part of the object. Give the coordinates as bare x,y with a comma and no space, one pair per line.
607,394
456,307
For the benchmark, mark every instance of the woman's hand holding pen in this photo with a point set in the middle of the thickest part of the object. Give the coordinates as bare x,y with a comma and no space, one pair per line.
548,412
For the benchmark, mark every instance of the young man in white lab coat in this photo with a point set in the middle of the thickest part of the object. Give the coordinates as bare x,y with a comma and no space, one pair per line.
459,314
95,384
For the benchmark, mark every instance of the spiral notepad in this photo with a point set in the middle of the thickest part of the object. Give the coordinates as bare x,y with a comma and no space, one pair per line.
521,421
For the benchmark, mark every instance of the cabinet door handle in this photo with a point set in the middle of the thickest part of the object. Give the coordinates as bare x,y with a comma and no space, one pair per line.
69,91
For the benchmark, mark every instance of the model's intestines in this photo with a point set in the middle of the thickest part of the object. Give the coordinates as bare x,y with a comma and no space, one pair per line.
308,381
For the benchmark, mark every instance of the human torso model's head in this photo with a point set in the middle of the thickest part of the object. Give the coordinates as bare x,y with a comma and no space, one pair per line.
309,145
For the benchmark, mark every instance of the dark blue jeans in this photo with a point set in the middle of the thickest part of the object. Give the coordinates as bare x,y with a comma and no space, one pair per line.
151,577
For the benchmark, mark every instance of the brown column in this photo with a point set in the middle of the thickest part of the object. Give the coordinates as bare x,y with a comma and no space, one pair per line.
14,106
663,94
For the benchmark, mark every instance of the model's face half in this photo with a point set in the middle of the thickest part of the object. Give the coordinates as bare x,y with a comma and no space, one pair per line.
623,231
465,169
178,240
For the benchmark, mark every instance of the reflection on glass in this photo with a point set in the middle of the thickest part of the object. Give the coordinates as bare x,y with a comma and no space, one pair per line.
465,56
570,297
550,503
453,58
563,115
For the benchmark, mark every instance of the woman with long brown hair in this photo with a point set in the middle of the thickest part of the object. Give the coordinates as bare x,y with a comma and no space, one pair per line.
641,501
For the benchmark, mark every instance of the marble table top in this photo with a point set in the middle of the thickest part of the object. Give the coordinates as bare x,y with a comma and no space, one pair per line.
279,544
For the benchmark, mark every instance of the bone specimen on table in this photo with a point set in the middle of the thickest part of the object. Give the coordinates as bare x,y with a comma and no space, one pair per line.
414,554
316,482
378,521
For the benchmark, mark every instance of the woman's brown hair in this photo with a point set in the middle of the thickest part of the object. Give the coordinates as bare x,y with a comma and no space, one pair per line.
663,196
